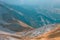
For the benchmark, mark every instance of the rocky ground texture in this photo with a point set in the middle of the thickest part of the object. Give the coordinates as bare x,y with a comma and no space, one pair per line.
50,35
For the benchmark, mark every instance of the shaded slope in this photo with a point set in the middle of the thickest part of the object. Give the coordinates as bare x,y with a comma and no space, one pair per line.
9,20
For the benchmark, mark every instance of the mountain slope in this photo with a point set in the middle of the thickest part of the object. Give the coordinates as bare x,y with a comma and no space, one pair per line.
8,20
53,34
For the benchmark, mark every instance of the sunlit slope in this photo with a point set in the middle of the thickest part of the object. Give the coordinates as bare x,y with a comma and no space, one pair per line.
51,35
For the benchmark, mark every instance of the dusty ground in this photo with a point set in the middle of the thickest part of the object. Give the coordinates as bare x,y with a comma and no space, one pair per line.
51,35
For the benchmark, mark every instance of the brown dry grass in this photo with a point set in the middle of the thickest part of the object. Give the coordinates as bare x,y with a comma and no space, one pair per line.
51,35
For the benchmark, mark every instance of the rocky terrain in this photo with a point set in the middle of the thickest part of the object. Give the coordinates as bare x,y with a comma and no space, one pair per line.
53,34
14,25
50,35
